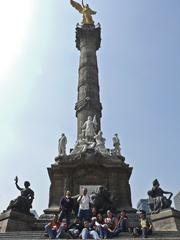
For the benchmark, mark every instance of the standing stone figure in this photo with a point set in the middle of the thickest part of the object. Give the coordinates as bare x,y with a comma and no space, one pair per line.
85,11
22,203
157,200
62,145
90,128
116,144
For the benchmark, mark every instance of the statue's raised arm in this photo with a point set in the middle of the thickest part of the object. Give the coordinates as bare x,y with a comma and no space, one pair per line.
85,10
16,182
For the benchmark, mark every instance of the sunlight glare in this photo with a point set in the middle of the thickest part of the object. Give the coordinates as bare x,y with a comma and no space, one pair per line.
15,16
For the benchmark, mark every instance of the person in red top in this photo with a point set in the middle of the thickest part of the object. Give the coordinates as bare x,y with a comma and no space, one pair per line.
52,227
63,231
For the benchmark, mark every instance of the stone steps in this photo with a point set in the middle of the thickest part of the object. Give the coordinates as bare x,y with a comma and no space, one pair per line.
34,235
22,235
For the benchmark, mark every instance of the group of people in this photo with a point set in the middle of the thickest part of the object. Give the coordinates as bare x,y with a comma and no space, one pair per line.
91,224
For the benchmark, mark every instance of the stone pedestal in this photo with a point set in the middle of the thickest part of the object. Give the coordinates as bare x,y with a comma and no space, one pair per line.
90,169
166,220
12,221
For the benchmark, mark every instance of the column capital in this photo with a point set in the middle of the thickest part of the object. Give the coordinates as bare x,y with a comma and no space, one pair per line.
88,31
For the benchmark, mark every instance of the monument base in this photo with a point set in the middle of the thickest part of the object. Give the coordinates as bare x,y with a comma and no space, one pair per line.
166,220
11,221
90,169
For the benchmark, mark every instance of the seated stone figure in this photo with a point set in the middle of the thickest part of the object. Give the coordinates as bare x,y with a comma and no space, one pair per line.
22,203
157,200
101,199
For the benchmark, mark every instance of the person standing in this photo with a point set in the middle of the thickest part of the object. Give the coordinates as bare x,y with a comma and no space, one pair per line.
84,206
66,207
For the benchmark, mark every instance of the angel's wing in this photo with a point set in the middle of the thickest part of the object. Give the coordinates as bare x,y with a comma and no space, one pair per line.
77,6
92,12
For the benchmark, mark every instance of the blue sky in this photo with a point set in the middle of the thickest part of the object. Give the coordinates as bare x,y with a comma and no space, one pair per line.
139,74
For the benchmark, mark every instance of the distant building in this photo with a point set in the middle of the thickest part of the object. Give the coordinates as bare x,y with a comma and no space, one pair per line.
177,201
143,205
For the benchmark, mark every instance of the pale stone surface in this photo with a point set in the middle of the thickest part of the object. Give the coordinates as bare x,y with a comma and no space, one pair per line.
90,127
166,220
82,145
97,144
116,144
100,143
62,145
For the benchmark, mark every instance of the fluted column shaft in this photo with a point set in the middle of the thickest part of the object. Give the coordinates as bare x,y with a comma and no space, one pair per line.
88,100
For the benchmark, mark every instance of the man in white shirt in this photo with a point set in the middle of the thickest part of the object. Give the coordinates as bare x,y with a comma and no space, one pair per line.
84,208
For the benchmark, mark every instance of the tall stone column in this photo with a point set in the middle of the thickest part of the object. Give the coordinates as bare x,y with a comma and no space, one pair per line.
88,38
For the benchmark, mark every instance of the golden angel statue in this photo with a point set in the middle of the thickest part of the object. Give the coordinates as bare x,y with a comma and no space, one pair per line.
85,10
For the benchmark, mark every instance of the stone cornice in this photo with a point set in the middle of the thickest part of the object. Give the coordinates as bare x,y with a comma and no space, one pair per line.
86,32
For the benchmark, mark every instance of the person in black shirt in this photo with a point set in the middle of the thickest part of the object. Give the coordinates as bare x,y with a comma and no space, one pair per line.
66,206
